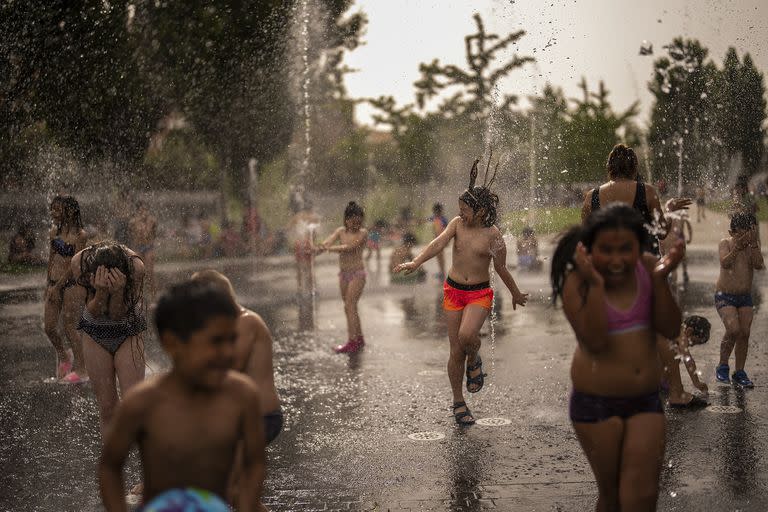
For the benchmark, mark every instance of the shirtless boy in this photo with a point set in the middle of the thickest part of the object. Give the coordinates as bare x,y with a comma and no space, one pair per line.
740,256
694,331
189,422
467,295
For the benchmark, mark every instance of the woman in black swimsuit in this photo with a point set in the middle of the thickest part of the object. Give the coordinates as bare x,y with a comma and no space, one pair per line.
113,320
67,237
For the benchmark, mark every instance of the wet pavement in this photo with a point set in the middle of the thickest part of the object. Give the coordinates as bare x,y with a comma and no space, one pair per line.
346,443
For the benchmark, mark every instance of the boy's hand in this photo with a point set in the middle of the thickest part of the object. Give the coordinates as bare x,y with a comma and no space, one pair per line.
583,264
701,386
408,267
742,241
678,203
519,298
670,261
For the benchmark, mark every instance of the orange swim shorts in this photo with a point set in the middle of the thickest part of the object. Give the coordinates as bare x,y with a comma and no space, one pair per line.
457,296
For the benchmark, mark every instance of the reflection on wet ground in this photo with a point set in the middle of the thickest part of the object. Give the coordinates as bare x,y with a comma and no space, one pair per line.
345,444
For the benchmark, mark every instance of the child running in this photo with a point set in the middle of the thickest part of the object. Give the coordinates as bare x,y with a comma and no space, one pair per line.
112,321
616,298
67,238
467,294
189,423
352,238
740,256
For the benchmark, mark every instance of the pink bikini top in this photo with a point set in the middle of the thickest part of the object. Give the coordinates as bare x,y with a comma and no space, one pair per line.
639,315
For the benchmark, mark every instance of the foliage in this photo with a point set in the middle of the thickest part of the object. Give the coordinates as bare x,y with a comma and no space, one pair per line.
682,131
462,120
576,137
741,110
543,220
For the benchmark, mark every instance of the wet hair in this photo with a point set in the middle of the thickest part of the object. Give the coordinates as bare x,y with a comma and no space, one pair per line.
481,198
217,280
622,162
111,254
528,231
743,220
437,208
72,213
353,210
613,216
700,327
188,306
409,238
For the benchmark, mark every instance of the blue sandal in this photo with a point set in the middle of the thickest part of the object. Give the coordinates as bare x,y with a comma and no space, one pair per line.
459,416
479,379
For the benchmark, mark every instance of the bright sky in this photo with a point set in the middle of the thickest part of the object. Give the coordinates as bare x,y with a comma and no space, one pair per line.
598,39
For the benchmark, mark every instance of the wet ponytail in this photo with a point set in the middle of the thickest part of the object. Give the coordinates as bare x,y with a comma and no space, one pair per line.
622,162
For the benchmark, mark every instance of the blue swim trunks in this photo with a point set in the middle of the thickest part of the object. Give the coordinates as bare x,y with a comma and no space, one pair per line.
737,301
186,500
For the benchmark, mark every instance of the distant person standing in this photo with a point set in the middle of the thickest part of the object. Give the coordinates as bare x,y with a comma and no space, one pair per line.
67,237
623,186
142,230
351,238
439,223
302,229
701,202
740,256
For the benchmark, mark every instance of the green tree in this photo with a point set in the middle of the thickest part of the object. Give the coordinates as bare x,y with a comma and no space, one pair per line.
592,129
68,76
683,116
462,120
477,85
742,111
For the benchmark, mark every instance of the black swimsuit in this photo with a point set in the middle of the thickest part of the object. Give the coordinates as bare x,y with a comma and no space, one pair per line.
63,248
641,205
111,334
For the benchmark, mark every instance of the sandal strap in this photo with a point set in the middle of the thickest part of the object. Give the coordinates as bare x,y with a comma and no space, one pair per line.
478,364
456,405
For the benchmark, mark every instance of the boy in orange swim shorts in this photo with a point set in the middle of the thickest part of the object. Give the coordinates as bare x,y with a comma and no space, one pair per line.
467,294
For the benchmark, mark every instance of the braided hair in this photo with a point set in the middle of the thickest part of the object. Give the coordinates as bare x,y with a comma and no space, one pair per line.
481,198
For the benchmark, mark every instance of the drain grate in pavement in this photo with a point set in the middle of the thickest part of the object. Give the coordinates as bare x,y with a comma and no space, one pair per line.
723,409
426,436
432,373
493,422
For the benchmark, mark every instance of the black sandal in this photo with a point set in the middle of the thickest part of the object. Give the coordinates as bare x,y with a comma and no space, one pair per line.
459,416
479,379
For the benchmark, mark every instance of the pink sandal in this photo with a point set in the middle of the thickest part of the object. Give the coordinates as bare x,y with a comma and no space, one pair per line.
73,378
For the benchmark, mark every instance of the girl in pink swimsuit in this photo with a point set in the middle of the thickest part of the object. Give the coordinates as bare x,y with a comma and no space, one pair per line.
616,297
352,238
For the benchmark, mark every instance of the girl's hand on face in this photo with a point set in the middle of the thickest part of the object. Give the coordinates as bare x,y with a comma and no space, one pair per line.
117,280
100,280
408,267
583,265
670,261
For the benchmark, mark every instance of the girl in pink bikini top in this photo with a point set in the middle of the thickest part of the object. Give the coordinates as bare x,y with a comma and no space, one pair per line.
639,315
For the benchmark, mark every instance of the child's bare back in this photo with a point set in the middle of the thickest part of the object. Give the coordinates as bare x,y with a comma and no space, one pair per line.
253,356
